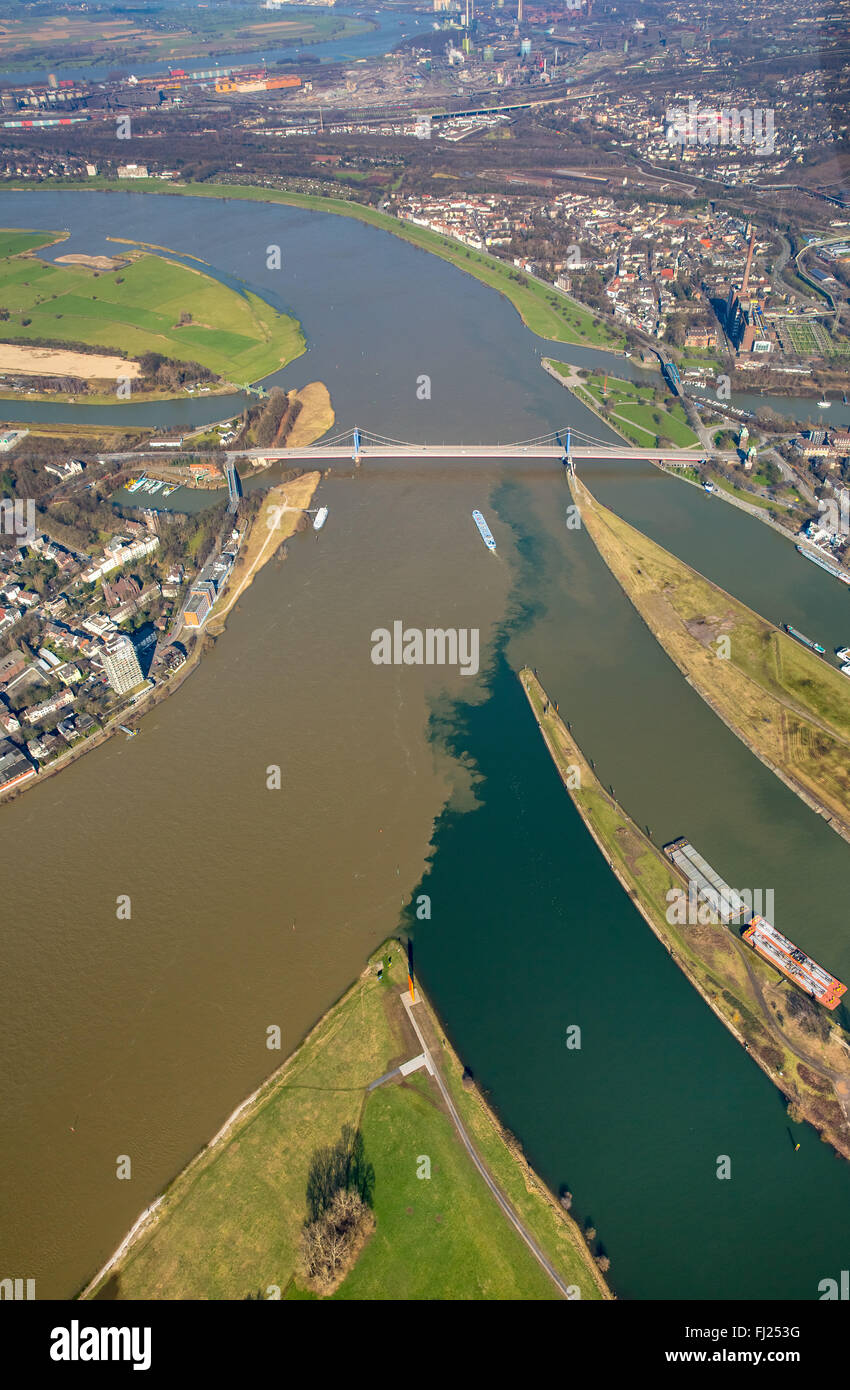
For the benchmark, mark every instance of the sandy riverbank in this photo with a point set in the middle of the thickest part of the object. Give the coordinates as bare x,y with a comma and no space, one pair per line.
315,416
280,516
88,366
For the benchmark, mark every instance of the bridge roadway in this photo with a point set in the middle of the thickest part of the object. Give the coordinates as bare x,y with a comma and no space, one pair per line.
478,451
318,452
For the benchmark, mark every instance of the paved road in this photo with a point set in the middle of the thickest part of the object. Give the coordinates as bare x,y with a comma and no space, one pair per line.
791,476
566,1290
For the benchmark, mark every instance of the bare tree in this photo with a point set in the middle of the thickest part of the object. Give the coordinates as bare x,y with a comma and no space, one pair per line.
330,1243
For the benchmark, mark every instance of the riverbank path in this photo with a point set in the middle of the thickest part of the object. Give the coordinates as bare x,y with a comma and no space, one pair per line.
567,1291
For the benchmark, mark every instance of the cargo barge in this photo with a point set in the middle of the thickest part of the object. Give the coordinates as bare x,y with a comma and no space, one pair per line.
709,887
806,641
778,951
484,529
825,564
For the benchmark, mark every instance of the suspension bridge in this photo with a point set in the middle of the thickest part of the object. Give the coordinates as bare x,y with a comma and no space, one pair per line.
566,446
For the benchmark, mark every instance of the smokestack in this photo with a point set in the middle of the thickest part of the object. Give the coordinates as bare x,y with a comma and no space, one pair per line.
519,11
746,280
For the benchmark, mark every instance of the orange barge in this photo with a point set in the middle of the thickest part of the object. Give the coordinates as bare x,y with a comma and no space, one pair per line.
778,951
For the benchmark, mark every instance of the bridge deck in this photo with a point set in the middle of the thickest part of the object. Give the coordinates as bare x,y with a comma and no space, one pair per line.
478,451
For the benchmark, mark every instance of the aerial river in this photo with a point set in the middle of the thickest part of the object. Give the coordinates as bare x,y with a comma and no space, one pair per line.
252,907
386,30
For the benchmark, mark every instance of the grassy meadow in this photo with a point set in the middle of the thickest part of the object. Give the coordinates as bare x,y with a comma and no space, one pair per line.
638,416
137,308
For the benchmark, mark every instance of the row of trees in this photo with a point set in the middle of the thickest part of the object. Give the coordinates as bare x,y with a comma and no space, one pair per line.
276,419
167,374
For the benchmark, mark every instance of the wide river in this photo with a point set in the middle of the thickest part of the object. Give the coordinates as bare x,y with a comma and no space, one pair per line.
386,30
252,907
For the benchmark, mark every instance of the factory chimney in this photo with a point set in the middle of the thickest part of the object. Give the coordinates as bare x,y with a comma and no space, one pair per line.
746,280
519,11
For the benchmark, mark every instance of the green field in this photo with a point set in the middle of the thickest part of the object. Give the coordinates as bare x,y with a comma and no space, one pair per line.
194,32
230,1224
811,338
14,243
693,475
471,1254
739,492
691,357
631,408
136,308
545,311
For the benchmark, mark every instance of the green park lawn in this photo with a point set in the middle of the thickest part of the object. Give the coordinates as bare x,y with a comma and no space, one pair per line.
634,407
439,1237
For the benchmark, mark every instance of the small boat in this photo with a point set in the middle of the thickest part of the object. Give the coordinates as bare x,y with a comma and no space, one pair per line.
824,405
845,670
709,487
484,529
320,518
836,571
843,653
